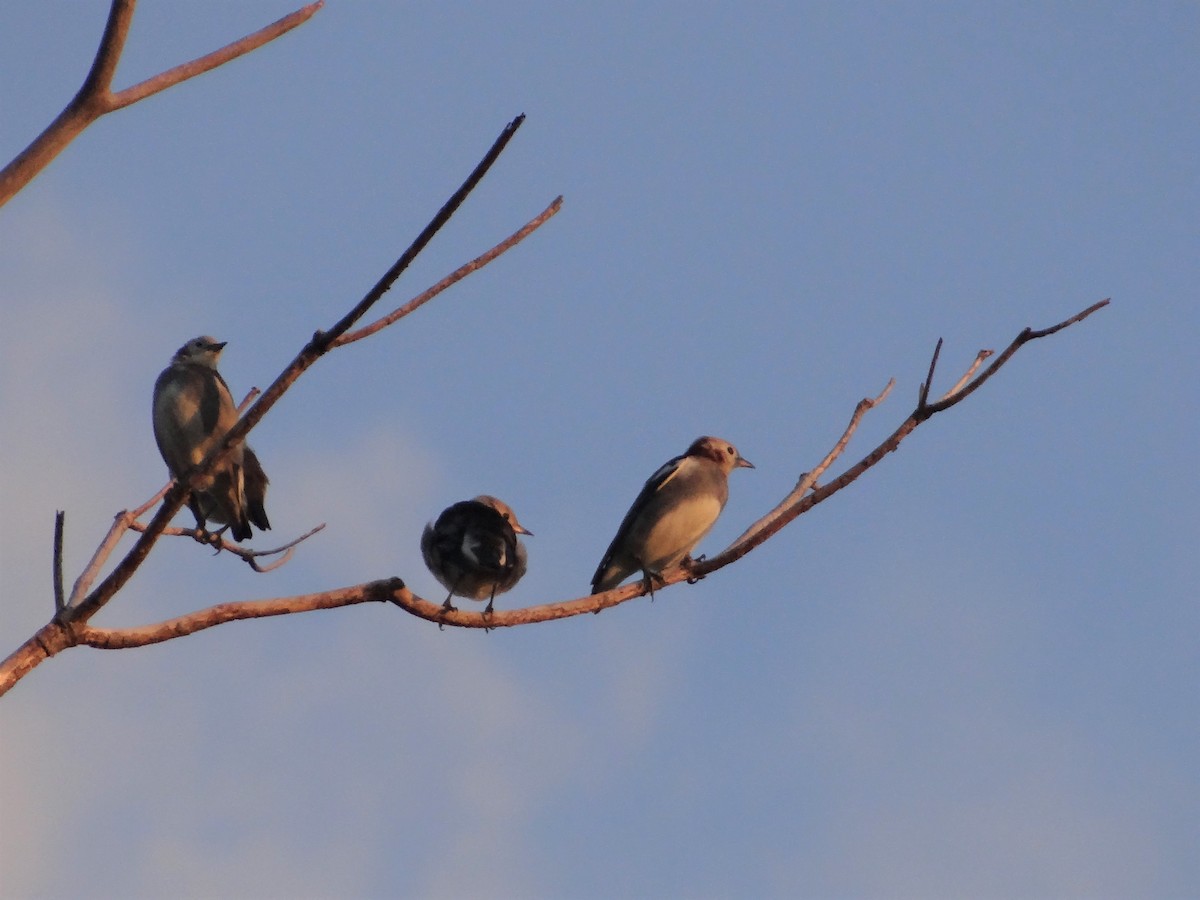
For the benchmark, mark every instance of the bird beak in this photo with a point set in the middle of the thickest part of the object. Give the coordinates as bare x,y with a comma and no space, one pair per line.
743,464
220,346
521,529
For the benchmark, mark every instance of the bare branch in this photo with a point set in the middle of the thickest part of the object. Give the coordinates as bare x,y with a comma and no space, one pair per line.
187,70
244,553
1020,340
95,96
96,86
141,510
454,277
324,340
121,638
971,370
59,603
809,479
251,396
122,522
923,398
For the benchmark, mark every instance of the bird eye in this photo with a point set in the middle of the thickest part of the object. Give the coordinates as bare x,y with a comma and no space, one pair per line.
729,450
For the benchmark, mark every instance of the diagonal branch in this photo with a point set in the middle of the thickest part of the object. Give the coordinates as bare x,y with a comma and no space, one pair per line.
210,61
95,97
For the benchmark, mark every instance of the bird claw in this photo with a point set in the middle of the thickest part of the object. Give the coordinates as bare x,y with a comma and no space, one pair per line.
648,578
202,535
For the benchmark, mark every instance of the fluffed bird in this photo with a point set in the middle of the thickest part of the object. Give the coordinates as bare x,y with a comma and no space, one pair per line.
472,549
677,507
192,411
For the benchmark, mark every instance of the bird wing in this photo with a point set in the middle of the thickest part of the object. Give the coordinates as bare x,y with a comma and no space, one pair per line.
650,489
178,422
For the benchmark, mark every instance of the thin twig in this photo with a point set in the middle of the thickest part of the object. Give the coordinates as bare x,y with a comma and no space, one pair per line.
240,47
59,602
457,275
219,543
250,397
974,367
923,397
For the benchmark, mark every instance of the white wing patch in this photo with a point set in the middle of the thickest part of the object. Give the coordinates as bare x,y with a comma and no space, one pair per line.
477,551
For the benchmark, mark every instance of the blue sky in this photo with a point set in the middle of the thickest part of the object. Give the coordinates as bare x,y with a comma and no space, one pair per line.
974,673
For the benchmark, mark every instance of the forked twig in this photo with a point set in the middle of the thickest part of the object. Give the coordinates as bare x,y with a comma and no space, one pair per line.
457,275
96,98
210,61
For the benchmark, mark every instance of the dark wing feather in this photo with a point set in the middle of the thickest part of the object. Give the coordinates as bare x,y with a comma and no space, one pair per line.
255,483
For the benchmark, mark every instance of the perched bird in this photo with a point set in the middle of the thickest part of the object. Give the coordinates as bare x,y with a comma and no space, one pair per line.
675,510
192,411
472,549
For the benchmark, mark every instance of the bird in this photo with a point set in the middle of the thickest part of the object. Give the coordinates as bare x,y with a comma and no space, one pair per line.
192,411
676,508
473,550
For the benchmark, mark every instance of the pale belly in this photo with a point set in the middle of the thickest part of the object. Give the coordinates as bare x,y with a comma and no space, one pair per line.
676,534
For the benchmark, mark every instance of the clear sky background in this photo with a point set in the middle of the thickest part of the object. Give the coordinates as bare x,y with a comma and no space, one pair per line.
974,673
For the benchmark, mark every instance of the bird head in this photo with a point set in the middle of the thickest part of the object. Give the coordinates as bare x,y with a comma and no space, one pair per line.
505,510
205,350
719,451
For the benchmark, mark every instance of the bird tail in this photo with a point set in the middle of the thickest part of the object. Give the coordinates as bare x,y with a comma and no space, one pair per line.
608,576
255,489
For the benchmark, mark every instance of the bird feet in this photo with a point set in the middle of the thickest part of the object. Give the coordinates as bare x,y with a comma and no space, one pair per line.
649,576
212,538
687,564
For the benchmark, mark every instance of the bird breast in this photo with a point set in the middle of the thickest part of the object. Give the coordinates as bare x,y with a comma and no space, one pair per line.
674,535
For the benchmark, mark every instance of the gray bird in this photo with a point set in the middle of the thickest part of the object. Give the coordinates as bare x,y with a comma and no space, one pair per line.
472,549
677,507
192,411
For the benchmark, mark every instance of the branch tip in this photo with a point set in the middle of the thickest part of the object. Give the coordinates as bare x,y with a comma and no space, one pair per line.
59,600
